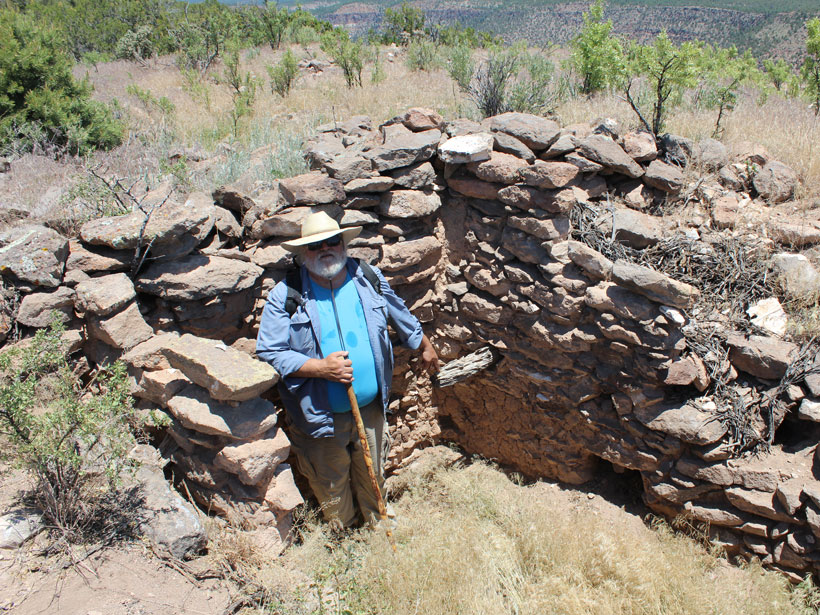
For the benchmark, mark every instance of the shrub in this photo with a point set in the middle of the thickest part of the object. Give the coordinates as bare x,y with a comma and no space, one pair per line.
461,66
810,70
73,437
41,104
422,55
597,56
347,54
283,74
403,24
135,45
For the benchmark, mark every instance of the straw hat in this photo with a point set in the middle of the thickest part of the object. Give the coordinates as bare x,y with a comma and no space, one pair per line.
317,227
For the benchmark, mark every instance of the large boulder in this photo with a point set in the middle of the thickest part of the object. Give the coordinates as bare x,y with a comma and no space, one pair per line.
288,222
122,330
104,295
196,277
535,132
605,151
311,189
403,147
764,357
466,148
775,182
502,168
665,177
409,204
227,374
172,230
654,285
38,309
33,255
403,254
195,409
255,462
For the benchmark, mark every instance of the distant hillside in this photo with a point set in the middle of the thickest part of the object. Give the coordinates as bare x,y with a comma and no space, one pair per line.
768,29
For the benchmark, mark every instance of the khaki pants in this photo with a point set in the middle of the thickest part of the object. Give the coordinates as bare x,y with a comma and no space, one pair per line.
335,466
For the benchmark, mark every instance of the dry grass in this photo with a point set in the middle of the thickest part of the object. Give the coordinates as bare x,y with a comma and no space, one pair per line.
471,541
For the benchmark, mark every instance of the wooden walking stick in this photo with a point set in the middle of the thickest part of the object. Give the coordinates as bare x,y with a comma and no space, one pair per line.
357,416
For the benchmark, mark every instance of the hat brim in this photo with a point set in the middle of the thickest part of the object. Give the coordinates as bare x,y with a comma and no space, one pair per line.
296,245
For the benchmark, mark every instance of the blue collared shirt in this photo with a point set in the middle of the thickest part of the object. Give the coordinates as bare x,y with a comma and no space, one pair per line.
288,342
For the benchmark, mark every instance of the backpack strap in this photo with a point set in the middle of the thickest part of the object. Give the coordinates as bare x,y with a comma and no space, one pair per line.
293,282
370,275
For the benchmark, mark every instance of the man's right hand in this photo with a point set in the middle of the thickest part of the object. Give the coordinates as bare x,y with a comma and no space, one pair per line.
337,367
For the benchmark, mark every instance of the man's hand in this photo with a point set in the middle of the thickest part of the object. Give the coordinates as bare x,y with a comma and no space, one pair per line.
429,357
337,367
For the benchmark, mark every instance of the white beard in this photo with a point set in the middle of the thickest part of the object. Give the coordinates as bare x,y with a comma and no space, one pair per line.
323,266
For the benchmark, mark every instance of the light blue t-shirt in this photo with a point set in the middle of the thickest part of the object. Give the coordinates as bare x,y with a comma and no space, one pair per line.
357,343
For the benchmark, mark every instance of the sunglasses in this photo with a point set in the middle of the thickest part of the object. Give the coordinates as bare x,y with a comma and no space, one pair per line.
330,242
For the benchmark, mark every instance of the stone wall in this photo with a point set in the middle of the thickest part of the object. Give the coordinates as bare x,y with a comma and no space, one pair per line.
470,223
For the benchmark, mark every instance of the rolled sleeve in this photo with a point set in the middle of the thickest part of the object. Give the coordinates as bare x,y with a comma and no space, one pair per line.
273,339
407,326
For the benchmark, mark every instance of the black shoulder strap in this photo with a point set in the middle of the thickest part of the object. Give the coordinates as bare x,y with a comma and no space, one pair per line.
293,282
370,275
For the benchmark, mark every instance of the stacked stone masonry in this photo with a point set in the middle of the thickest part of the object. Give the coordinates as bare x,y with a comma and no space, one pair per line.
470,223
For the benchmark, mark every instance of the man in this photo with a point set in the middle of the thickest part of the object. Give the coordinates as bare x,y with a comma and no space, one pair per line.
300,337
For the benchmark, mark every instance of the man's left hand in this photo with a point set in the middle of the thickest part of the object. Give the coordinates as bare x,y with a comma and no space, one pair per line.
429,357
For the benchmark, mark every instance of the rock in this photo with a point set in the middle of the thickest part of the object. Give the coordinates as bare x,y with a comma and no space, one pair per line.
282,495
403,254
474,188
731,178
196,277
466,148
415,177
549,175
370,184
172,229
528,198
685,422
104,295
662,176
654,285
167,520
751,154
636,229
38,309
606,152
493,282
565,144
231,197
34,255
535,132
19,525
686,371
348,167
272,256
768,314
502,168
508,144
713,515
255,462
288,222
809,411
402,148
482,308
195,409
122,330
150,355
640,146
591,261
82,258
523,245
609,297
418,119
409,204
226,224
311,189
461,126
762,503
764,357
161,385
323,149
227,374
547,229
585,165
676,150
725,211
775,182
711,154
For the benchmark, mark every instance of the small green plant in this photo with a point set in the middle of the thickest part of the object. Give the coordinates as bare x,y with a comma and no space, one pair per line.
422,55
403,24
243,89
461,66
196,88
725,71
377,74
73,437
283,74
349,55
597,56
135,45
777,72
810,70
